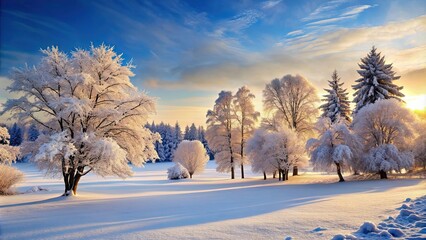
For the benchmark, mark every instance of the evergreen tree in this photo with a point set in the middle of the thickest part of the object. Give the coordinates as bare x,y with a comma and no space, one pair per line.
376,81
178,134
15,135
192,134
32,133
336,100
186,133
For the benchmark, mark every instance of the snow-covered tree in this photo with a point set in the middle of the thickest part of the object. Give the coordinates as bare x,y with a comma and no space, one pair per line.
259,163
386,128
275,151
192,133
178,134
15,133
203,140
291,102
219,134
8,154
90,112
32,133
336,104
246,117
335,147
191,155
177,172
420,146
186,133
376,81
4,136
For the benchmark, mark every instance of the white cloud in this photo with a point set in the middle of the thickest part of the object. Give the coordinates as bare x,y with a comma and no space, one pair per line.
270,4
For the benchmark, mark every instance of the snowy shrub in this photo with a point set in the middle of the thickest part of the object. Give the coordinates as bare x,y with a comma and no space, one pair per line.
177,172
387,130
4,136
89,111
192,156
9,176
335,147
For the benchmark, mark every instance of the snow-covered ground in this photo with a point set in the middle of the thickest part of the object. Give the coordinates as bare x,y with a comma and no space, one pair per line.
210,206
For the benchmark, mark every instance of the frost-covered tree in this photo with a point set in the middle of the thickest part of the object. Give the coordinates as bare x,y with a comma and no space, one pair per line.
336,104
219,133
4,136
246,117
376,81
291,102
272,151
335,147
8,154
186,133
89,111
386,128
178,134
203,140
191,155
259,163
32,133
420,145
192,133
15,133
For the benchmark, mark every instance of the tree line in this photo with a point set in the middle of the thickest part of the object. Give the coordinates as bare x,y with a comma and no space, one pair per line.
379,135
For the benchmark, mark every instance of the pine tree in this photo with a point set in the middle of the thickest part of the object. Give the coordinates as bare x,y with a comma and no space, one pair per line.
15,135
192,134
186,133
336,100
32,133
376,81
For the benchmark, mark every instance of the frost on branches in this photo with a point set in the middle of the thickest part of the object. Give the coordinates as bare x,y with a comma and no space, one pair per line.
220,135
336,100
388,132
335,148
273,151
376,81
90,113
246,117
8,154
191,155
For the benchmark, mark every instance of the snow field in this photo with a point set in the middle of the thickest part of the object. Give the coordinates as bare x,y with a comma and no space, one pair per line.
209,206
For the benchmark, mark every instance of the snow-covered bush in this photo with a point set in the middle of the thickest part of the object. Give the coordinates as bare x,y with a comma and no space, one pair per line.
387,130
8,154
4,136
90,113
335,147
9,176
177,172
191,155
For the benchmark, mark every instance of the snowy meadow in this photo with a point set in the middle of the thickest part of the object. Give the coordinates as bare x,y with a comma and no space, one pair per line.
209,206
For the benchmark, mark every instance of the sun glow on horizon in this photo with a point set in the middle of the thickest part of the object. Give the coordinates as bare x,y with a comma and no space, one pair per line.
416,102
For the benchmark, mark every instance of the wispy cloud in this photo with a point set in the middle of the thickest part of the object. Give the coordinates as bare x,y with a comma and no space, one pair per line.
295,33
270,4
355,10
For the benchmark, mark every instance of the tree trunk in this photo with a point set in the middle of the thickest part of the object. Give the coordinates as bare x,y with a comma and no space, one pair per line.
242,170
339,172
264,175
232,172
295,171
274,175
76,181
383,174
286,174
279,175
190,175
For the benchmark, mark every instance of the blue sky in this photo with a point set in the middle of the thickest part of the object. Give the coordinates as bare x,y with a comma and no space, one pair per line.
186,51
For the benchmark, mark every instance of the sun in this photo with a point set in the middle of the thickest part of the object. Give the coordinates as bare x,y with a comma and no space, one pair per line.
416,102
